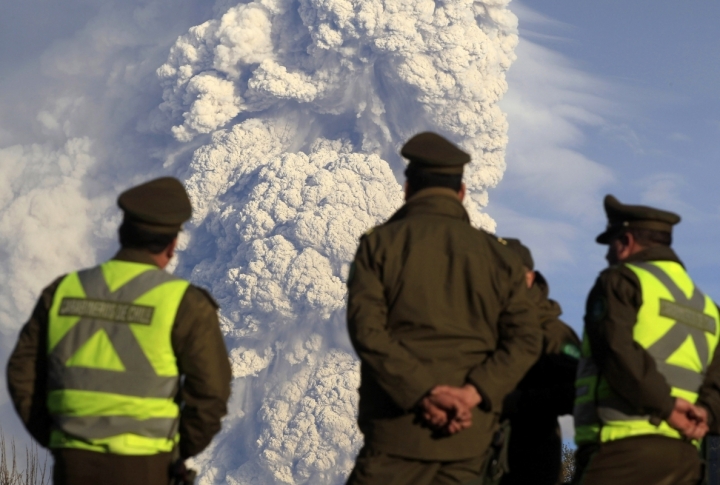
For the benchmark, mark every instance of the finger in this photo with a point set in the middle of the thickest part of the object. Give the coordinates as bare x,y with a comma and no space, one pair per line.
464,413
440,390
698,414
446,390
439,419
463,423
433,419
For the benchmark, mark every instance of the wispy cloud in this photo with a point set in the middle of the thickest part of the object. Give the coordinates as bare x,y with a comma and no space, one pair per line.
552,189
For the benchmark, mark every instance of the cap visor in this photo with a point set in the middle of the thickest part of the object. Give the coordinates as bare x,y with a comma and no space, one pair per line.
158,229
605,237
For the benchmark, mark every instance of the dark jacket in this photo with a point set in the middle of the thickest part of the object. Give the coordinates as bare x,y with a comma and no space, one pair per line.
610,316
548,389
434,301
546,392
196,340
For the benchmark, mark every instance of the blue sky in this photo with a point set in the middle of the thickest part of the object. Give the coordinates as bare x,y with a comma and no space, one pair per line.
611,97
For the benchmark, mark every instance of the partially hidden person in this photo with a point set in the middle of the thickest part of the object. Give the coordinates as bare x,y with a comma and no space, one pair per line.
545,393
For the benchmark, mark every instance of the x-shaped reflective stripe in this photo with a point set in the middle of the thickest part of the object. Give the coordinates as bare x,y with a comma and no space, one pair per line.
661,350
139,378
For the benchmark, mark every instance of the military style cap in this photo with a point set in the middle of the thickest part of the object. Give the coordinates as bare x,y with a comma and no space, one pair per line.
621,216
159,206
521,250
433,153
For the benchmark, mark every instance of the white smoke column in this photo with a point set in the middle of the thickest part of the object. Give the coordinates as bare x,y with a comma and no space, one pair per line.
73,133
32,179
302,106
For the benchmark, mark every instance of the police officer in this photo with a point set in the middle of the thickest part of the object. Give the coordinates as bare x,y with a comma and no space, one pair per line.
122,366
440,317
546,392
648,377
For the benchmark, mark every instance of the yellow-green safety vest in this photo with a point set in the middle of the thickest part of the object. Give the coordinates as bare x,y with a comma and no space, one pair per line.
678,326
112,372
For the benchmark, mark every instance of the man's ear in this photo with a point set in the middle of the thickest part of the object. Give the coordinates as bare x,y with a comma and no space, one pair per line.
461,192
626,239
170,250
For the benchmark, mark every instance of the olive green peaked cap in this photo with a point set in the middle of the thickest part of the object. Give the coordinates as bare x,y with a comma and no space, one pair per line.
160,205
521,250
433,153
621,216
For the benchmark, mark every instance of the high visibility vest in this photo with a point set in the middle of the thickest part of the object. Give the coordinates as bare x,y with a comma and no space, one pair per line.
112,372
678,326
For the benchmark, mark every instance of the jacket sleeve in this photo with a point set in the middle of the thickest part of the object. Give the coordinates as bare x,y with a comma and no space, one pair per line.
610,317
518,347
402,376
203,363
709,396
27,370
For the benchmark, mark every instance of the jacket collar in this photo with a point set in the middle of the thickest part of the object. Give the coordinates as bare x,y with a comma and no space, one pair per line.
434,201
654,253
132,255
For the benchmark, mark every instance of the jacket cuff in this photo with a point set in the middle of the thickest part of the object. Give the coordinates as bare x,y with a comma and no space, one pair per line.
711,416
486,402
410,401
666,410
488,398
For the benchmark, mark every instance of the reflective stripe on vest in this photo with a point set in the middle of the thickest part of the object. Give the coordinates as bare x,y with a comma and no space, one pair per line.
112,375
667,323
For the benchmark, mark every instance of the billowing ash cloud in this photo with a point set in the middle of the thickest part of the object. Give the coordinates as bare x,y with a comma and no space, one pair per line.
370,71
284,118
300,107
76,103
32,179
275,232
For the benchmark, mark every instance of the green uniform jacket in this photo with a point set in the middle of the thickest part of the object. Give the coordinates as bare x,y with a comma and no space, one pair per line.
434,301
610,316
196,340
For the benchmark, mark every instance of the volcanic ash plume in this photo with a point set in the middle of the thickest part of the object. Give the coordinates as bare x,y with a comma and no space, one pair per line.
300,107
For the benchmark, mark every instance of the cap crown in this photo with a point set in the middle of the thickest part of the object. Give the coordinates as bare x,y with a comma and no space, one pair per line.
521,250
431,152
160,203
622,216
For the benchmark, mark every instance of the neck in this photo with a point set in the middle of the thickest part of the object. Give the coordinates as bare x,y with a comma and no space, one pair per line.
160,259
432,191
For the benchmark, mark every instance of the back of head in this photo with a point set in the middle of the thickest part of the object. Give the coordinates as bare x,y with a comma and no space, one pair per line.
153,214
133,236
434,162
522,251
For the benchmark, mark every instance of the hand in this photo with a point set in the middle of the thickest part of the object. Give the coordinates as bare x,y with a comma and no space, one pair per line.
689,420
459,416
700,415
445,413
435,415
467,394
458,401
679,419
